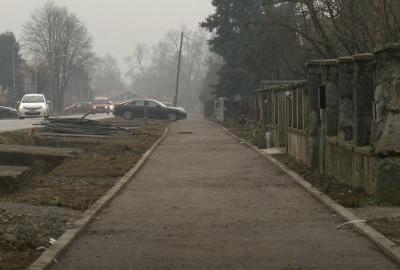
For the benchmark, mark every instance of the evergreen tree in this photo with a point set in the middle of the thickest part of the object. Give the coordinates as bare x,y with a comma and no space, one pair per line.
11,77
250,45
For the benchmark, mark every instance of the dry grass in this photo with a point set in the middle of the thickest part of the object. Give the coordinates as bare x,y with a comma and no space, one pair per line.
21,137
75,193
77,183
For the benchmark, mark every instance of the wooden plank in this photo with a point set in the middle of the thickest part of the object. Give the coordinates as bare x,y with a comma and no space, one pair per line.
12,171
39,151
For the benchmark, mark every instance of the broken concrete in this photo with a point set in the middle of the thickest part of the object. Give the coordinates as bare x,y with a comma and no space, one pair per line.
39,151
29,155
9,176
13,171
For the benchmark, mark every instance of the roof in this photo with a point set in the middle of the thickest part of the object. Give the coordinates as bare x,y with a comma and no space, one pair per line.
283,84
390,47
33,95
323,62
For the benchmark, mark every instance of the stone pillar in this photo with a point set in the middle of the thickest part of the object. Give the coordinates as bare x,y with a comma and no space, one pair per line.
261,111
346,121
386,125
387,100
330,80
314,82
363,96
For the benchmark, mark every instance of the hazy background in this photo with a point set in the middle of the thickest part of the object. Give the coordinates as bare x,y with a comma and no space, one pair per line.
116,25
135,49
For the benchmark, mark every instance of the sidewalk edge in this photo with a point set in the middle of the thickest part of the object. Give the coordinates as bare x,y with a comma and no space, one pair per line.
49,257
389,248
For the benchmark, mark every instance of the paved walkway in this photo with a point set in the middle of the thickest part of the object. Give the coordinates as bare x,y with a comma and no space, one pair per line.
203,201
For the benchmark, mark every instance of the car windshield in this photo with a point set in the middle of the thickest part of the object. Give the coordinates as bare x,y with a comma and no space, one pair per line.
152,103
32,99
138,102
100,101
168,104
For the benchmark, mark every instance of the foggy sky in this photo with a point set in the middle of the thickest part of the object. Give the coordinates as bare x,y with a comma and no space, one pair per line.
116,25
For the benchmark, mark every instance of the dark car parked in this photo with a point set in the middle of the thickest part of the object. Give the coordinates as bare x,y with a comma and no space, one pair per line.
79,107
7,112
137,108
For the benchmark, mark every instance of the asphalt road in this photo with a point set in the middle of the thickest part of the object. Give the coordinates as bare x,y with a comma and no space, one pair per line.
204,201
16,124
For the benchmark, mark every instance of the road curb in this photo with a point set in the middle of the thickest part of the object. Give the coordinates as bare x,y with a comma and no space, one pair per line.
389,248
49,257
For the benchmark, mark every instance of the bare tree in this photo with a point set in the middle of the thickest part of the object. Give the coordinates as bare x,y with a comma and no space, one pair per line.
136,63
341,27
62,40
107,79
153,71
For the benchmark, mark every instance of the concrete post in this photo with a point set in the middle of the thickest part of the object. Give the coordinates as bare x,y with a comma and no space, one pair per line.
314,124
330,79
346,122
363,96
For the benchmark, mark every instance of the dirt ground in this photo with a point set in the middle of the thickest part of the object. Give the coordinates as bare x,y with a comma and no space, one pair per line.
245,131
346,195
44,204
388,226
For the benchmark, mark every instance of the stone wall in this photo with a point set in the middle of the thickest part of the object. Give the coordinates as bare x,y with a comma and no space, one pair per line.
351,109
386,123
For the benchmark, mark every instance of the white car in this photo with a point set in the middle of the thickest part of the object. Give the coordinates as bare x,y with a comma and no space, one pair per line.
33,105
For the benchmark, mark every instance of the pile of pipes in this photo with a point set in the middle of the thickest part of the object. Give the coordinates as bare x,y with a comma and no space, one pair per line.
84,126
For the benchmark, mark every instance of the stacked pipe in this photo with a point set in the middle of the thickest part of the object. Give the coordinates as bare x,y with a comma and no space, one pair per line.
84,126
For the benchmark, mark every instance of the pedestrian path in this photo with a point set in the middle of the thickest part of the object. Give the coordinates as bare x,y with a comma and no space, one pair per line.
204,201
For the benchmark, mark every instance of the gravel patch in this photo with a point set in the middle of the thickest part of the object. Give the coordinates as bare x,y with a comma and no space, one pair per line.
25,231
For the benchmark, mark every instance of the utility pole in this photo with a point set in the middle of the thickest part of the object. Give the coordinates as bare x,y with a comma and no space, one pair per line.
11,35
35,77
179,71
13,65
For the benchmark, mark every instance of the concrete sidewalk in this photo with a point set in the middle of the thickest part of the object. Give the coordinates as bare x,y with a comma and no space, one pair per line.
203,201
